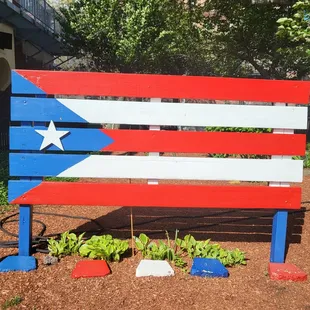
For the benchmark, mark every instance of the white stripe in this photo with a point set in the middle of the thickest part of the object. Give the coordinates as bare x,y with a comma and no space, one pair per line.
286,132
144,167
187,114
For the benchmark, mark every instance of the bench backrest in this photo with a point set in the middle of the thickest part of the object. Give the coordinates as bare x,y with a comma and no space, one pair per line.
48,145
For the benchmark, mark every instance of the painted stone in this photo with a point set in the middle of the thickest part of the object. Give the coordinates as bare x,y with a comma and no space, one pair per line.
90,268
286,271
155,268
208,267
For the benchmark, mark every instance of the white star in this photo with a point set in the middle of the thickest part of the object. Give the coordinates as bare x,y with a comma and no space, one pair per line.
51,136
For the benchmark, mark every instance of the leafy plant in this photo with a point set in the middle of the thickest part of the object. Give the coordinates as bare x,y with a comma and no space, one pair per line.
142,243
160,251
16,300
68,244
305,158
207,250
104,247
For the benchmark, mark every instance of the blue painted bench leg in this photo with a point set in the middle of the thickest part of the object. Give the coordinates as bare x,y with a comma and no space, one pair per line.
25,230
24,261
278,238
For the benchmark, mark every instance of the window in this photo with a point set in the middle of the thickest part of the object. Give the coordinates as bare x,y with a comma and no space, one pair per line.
5,40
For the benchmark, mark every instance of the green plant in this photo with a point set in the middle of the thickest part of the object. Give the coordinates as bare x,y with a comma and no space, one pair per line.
3,193
207,250
68,244
160,251
65,179
104,247
305,158
142,242
16,300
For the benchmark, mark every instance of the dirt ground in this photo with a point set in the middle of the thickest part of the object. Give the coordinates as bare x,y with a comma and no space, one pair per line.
51,287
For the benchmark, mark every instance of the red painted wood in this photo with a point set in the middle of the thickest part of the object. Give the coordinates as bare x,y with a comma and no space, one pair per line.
205,142
168,86
144,195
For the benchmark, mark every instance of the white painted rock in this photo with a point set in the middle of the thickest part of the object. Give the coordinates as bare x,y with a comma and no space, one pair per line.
155,268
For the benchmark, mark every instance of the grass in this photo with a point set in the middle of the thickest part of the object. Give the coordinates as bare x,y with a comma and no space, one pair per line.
15,301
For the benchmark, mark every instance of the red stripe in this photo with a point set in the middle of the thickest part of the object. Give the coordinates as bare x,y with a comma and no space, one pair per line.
205,142
143,195
168,86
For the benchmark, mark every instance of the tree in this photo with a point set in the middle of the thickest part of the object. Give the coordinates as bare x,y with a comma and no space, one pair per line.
243,34
146,36
297,28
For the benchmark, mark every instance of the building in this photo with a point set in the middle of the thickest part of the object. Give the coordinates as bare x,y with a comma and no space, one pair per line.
29,39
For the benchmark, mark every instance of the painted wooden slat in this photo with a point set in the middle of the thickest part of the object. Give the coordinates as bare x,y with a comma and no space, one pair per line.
154,128
279,222
162,195
187,168
23,138
158,86
154,113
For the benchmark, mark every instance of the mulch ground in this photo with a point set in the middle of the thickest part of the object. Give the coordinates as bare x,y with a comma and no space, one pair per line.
51,287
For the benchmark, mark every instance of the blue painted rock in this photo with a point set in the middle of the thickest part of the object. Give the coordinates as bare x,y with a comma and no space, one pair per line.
208,267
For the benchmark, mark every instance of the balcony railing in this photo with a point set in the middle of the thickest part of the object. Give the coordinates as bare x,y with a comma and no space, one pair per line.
41,12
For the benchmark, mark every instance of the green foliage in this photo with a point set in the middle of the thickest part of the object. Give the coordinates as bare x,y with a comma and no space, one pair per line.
3,194
68,244
4,176
64,179
160,251
305,158
238,129
187,246
142,243
242,39
149,36
297,27
15,301
207,250
104,247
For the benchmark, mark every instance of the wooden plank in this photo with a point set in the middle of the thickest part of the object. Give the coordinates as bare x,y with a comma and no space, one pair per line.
279,222
22,138
154,113
154,128
141,195
159,86
184,168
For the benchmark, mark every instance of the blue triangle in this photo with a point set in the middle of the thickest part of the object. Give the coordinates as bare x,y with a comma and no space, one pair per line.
18,188
41,165
20,85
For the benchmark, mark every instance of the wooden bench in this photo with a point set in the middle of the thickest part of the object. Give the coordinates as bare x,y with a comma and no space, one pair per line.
41,114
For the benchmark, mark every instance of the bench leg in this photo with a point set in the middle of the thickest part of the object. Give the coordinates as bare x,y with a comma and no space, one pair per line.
24,261
25,230
278,238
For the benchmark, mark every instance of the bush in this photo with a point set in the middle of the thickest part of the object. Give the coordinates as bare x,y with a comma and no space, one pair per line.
4,177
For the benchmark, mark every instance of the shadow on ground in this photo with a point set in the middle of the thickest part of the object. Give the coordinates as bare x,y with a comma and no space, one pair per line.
219,225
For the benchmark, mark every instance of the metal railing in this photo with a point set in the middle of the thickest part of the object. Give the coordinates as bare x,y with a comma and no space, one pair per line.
42,12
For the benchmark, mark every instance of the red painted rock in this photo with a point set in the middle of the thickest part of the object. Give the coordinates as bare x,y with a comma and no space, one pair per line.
286,271
90,268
